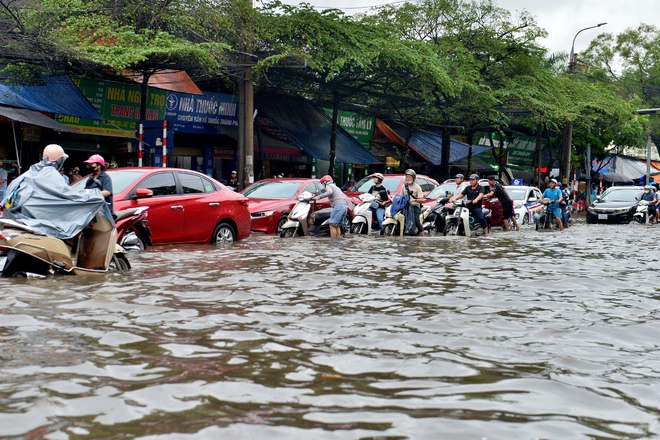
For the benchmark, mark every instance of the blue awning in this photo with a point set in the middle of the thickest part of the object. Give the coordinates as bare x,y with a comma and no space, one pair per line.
309,127
428,144
57,95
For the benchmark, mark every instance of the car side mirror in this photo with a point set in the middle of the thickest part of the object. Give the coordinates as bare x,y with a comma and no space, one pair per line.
143,193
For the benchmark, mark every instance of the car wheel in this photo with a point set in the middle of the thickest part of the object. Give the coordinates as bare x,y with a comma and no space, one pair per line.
357,228
388,230
525,220
223,234
450,229
280,223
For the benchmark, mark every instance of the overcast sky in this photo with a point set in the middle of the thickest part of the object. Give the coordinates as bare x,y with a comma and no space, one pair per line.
561,18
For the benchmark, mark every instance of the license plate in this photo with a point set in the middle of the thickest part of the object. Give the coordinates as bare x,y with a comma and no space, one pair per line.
3,260
602,216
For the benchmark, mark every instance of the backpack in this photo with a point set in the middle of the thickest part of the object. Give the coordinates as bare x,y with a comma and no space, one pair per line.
399,202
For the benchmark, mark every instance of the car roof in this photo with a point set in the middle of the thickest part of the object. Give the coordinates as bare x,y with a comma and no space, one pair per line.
288,179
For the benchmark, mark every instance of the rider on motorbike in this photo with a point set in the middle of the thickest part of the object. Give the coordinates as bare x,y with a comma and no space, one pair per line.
99,178
474,193
42,200
555,196
459,179
650,197
382,196
338,203
414,191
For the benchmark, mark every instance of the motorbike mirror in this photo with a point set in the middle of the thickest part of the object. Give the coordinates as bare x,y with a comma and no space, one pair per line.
142,193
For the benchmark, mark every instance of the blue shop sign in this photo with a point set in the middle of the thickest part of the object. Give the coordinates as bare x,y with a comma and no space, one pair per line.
189,113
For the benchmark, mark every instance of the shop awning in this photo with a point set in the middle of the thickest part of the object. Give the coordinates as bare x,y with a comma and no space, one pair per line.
427,142
34,118
309,127
267,140
55,95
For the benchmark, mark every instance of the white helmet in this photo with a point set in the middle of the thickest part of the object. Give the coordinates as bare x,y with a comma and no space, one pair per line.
55,155
379,176
411,172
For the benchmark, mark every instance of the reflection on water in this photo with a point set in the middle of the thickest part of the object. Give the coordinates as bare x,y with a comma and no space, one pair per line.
520,335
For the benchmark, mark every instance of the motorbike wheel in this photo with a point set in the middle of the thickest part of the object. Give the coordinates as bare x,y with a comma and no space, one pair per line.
223,234
358,228
289,232
638,219
388,230
450,229
119,263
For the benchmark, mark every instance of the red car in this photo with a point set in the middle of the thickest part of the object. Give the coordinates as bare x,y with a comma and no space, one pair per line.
271,200
393,183
184,206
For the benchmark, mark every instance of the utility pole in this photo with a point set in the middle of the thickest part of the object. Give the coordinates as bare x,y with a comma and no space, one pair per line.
246,118
568,129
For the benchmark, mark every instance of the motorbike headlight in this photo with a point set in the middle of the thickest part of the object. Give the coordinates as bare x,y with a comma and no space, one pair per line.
263,214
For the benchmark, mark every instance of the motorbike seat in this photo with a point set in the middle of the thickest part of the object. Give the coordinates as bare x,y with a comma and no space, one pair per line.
17,224
123,214
485,211
425,208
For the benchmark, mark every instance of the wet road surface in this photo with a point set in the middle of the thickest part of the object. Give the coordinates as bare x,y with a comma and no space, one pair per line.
521,335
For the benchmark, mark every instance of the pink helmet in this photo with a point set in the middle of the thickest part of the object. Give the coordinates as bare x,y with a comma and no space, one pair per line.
96,158
326,179
53,153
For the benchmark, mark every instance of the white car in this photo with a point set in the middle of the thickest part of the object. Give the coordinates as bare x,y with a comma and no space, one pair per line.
525,199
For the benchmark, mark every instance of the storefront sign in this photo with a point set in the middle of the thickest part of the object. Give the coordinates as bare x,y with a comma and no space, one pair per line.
519,149
119,104
359,126
224,153
198,113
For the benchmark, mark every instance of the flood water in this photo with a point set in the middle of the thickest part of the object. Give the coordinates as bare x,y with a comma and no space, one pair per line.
521,335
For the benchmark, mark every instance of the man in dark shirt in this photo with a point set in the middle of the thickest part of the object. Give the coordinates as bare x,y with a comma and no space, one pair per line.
474,193
98,165
498,191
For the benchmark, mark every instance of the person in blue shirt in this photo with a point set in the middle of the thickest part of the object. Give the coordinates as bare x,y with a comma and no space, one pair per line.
650,197
554,194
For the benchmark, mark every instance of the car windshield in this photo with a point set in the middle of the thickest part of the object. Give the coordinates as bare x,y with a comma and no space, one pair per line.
120,180
441,191
621,196
391,184
272,190
516,193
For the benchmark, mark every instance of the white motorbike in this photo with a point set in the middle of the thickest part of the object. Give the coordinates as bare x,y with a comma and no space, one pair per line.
364,221
395,224
462,223
642,214
300,223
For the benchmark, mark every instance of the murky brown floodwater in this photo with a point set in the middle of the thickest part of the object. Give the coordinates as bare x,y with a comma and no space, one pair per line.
522,335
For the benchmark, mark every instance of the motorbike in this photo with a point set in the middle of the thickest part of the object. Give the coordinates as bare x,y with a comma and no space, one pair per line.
133,234
462,223
300,223
364,219
93,250
642,214
439,213
394,224
544,219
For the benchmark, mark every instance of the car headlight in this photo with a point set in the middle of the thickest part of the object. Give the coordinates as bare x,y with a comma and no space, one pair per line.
262,214
517,205
621,209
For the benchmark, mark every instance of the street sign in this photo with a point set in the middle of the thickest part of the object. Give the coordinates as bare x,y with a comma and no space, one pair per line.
517,182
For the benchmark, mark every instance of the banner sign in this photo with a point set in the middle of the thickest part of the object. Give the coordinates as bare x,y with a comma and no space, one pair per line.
359,126
119,104
519,149
189,113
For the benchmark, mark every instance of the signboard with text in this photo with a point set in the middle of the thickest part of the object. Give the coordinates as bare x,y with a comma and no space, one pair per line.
359,126
198,113
119,104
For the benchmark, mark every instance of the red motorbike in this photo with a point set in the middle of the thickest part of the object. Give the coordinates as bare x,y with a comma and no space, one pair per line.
133,233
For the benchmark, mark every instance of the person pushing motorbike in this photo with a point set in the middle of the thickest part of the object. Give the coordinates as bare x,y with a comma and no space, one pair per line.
338,203
474,193
414,191
100,179
497,190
